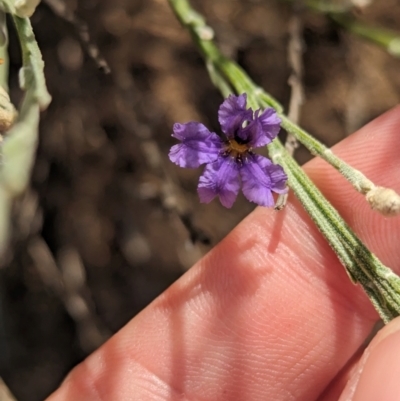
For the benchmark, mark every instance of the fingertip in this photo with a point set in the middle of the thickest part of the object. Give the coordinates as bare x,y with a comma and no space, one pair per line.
378,372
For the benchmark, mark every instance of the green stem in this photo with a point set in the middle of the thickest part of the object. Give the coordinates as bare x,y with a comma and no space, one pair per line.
196,25
341,14
4,51
385,38
19,146
31,74
235,74
379,282
359,181
389,206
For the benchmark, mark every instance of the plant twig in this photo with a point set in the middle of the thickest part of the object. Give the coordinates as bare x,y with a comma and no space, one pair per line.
295,58
67,280
61,9
31,76
378,281
18,148
384,200
341,14
385,38
169,195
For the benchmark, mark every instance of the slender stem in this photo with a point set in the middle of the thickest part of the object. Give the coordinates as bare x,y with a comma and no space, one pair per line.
4,51
295,81
19,146
379,282
341,14
31,74
5,198
385,38
295,50
359,181
234,73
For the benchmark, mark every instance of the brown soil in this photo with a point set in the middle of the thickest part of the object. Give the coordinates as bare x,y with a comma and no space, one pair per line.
96,237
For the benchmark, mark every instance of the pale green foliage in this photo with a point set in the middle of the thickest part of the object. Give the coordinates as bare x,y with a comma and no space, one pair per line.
19,144
19,149
31,75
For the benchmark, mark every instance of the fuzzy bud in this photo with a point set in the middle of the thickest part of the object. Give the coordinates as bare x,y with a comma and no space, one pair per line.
384,200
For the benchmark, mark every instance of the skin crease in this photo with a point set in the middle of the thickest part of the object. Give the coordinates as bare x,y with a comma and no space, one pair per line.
269,313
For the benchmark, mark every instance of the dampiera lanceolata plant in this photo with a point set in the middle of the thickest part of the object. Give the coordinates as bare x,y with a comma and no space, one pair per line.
21,132
230,157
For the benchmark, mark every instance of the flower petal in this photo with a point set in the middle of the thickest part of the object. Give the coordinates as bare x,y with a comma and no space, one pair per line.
271,122
198,146
220,178
278,178
232,114
263,129
260,177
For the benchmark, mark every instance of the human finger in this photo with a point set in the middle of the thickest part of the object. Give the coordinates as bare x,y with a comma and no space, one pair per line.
376,376
269,313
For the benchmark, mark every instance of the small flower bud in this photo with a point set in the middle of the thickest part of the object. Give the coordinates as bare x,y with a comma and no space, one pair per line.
384,200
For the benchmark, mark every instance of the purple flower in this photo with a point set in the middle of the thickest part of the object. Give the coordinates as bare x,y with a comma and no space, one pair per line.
230,160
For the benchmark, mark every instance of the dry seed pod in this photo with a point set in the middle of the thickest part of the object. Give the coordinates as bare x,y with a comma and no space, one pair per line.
8,113
384,200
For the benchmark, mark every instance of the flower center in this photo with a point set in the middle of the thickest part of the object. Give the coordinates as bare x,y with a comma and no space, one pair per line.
237,150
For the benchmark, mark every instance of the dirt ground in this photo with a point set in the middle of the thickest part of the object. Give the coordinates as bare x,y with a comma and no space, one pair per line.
96,236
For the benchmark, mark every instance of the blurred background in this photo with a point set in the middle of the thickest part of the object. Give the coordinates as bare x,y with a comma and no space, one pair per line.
108,222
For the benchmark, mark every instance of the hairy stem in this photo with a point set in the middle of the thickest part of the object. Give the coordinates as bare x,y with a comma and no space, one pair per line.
380,284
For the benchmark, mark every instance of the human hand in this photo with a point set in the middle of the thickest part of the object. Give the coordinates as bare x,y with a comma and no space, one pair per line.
269,313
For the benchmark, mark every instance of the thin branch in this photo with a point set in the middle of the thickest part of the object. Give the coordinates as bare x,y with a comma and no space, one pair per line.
378,281
67,280
171,198
60,9
295,58
385,38
169,194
